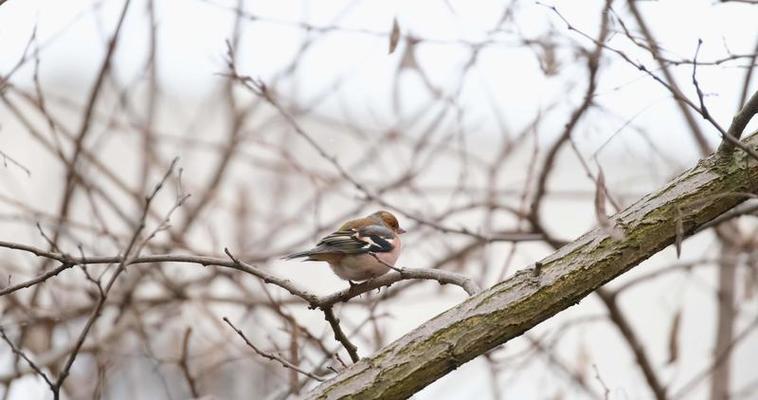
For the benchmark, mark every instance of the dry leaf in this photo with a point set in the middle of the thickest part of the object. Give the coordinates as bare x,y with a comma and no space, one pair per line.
602,218
548,58
409,56
679,233
674,337
394,35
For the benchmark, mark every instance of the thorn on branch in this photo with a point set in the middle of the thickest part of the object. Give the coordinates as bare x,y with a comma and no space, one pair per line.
229,254
537,270
703,110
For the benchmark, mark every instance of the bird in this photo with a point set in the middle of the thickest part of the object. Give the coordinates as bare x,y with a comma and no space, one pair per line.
361,249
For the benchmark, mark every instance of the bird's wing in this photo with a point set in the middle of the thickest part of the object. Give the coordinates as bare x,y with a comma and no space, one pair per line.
371,238
367,239
342,241
378,237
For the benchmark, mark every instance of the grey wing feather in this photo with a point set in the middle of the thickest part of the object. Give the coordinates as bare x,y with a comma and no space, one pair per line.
376,230
372,238
346,242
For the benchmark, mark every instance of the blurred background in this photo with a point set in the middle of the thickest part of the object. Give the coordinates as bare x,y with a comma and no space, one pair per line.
473,122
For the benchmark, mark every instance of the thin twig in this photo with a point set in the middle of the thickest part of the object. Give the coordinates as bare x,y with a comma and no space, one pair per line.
625,328
104,291
271,356
21,354
339,335
443,277
741,119
6,159
260,89
703,109
606,391
727,137
184,364
701,376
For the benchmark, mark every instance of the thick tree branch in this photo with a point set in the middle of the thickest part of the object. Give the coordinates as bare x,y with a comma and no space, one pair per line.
514,306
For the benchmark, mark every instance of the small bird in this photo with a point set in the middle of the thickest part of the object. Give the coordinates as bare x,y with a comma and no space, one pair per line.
360,249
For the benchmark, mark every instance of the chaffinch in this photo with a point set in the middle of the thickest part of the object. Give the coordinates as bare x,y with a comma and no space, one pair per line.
352,251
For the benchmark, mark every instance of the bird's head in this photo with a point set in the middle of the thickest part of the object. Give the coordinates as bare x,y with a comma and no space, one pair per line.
389,220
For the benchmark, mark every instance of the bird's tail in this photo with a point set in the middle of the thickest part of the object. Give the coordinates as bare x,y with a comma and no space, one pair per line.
306,253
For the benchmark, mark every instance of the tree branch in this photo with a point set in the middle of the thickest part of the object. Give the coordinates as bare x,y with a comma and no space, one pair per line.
271,356
339,334
514,306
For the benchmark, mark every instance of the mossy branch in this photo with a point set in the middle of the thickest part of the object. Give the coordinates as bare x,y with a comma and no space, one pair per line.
514,306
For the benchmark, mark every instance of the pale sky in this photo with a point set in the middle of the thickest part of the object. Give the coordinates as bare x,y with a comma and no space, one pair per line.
192,35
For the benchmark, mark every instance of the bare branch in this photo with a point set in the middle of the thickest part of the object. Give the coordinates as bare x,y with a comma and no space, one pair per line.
271,356
21,354
339,334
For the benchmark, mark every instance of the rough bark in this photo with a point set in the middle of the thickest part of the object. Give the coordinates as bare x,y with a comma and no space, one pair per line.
514,306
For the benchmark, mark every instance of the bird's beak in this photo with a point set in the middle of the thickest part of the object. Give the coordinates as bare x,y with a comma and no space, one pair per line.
400,231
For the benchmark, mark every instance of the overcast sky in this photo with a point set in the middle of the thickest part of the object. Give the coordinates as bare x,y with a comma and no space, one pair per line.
71,35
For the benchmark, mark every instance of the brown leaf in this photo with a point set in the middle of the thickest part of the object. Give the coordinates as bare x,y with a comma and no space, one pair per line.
409,57
674,337
394,35
602,218
548,59
679,233
600,199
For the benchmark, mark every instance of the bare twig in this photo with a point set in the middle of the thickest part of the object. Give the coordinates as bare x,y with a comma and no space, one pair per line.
625,328
729,138
444,277
6,159
127,256
606,391
23,355
719,359
653,48
546,170
184,364
339,335
260,89
271,356
741,119
703,108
